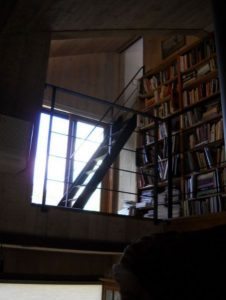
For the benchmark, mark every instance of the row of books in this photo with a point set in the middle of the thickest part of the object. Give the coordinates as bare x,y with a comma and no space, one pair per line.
207,67
204,112
152,83
163,167
144,122
197,54
161,93
147,176
204,134
204,159
192,117
146,198
162,200
148,135
146,155
165,109
205,206
148,140
203,90
205,184
147,195
163,212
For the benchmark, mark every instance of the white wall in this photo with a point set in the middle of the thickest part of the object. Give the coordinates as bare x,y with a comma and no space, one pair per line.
94,74
132,61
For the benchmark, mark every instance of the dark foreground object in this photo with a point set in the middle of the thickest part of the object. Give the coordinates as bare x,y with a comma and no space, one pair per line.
167,266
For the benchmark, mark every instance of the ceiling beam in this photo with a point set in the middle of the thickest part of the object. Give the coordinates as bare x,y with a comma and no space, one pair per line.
70,33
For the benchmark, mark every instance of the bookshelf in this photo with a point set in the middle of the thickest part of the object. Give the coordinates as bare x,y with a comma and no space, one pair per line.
190,160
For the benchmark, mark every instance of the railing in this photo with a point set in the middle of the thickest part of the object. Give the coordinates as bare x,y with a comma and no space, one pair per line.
111,108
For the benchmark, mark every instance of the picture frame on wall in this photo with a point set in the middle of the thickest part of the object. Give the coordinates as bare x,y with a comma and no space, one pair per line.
172,44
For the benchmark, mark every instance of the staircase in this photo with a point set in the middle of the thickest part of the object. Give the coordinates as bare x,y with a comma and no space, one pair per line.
93,173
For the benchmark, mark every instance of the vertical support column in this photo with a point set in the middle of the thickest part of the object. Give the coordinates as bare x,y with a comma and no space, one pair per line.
24,61
219,16
156,171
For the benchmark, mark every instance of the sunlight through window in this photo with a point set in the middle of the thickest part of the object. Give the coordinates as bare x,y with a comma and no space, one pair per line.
86,138
19,291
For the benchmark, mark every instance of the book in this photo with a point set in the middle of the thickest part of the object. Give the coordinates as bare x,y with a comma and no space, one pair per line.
209,157
204,69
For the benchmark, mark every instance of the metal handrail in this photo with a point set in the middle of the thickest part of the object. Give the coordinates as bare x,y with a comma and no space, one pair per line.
106,102
110,105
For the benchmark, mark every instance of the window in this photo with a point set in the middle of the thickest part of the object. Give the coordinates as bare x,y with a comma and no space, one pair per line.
72,142
19,291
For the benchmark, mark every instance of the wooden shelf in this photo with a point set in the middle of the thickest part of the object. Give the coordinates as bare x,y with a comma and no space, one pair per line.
199,64
198,124
205,144
198,80
189,90
205,170
201,101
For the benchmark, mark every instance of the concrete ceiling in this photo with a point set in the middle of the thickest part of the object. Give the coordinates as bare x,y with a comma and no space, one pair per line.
103,25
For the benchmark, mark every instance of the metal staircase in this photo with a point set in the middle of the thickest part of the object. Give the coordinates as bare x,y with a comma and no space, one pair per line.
92,174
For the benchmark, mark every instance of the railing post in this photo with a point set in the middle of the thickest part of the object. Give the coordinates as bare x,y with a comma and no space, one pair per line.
170,175
156,170
69,160
110,131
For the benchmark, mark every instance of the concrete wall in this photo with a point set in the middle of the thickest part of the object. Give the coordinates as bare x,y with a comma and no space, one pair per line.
95,75
23,69
18,217
23,73
55,264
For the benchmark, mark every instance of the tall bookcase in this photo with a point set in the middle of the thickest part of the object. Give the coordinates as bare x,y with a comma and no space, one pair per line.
188,147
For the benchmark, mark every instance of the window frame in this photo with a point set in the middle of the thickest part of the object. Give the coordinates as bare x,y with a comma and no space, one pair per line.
71,140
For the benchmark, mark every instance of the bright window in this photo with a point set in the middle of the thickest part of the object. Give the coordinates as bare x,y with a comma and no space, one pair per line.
19,291
72,143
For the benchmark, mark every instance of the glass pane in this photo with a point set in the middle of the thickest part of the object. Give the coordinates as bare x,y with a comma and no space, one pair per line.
84,149
39,170
28,291
94,201
84,129
58,144
117,296
60,125
54,193
109,295
78,166
56,168
57,159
